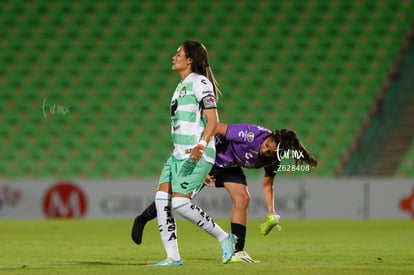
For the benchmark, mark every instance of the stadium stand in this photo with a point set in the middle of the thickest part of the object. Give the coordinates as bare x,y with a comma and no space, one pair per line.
85,86
406,168
387,132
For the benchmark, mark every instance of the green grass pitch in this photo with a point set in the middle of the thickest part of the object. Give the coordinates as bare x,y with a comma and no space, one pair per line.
302,247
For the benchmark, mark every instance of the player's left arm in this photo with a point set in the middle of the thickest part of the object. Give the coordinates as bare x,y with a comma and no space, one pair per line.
221,129
203,91
211,125
209,130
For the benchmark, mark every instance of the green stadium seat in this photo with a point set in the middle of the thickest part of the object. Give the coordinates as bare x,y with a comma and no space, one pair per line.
308,66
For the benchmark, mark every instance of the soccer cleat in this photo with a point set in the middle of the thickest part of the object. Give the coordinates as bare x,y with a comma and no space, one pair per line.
242,257
227,246
271,221
169,262
138,229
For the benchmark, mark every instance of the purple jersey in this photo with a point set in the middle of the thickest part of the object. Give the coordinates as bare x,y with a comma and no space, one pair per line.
241,147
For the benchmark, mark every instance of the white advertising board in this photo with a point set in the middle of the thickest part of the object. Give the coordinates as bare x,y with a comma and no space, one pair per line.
294,199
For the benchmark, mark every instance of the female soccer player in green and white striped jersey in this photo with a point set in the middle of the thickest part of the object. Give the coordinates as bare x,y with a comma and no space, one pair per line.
194,120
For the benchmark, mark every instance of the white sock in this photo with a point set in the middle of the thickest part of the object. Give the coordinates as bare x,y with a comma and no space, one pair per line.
198,217
167,225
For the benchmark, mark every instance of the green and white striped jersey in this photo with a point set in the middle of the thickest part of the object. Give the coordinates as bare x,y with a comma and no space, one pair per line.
187,121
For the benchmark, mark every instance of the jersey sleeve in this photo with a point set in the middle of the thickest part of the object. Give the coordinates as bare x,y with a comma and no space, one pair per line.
204,93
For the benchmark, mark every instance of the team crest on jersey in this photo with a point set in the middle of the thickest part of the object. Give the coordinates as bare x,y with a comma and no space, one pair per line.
183,92
250,136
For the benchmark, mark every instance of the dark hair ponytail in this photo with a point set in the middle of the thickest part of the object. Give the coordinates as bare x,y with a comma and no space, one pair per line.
286,139
198,53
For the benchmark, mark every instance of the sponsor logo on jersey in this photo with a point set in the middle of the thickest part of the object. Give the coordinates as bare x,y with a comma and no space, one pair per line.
173,107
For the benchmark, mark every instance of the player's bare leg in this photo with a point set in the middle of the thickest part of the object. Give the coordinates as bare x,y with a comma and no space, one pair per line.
239,194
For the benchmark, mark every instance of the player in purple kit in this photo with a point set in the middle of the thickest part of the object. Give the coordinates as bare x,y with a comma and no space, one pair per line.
244,146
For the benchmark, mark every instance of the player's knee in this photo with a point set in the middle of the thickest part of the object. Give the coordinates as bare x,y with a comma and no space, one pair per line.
242,201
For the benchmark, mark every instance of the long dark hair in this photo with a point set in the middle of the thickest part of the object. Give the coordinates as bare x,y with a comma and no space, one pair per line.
198,53
286,139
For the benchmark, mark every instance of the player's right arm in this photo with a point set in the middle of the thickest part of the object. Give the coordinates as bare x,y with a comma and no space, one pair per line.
272,218
268,194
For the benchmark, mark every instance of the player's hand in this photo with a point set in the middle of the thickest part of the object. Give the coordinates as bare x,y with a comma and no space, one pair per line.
210,181
272,221
197,152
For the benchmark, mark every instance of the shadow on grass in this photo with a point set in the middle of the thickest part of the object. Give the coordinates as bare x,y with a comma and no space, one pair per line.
72,264
131,263
89,264
104,263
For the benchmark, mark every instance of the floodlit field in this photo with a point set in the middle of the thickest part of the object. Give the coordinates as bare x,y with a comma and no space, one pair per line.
303,247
